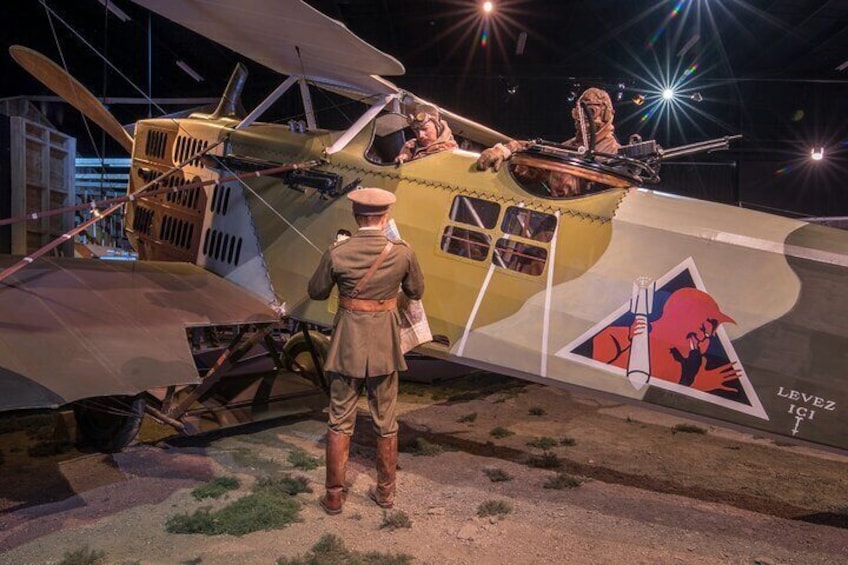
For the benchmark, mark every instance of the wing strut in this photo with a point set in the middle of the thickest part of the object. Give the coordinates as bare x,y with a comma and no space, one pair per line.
311,123
359,124
270,99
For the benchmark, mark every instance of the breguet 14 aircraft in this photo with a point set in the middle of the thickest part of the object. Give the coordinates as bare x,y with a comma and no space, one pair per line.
707,310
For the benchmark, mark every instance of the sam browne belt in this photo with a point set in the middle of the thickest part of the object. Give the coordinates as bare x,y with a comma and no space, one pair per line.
367,305
354,304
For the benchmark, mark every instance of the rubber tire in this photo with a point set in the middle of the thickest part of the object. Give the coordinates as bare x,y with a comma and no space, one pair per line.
297,347
104,431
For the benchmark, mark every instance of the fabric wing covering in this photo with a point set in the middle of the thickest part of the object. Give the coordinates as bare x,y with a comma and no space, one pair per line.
287,36
79,328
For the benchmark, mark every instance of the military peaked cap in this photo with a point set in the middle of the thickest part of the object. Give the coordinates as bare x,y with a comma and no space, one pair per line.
371,201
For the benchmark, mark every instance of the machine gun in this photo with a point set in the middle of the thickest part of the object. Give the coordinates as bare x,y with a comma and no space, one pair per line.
636,163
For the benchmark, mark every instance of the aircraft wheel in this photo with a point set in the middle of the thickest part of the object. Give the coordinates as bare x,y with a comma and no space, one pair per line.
110,423
298,358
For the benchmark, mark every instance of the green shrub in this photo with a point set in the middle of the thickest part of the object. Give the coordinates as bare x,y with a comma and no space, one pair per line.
537,411
568,441
268,507
251,513
215,488
468,418
282,485
299,459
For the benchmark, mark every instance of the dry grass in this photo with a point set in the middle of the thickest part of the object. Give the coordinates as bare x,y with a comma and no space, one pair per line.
562,481
83,556
331,550
547,460
498,508
395,520
497,475
688,429
545,443
421,447
500,432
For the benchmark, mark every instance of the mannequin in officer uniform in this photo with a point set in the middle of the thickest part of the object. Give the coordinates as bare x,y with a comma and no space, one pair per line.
365,351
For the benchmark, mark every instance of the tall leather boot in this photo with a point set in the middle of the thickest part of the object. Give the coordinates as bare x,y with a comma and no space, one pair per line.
338,446
387,455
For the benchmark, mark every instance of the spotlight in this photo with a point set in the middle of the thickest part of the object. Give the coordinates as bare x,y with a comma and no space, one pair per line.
639,99
817,155
488,7
572,96
667,94
697,97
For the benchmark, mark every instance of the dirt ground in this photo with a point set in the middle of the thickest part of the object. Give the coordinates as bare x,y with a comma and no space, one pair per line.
651,491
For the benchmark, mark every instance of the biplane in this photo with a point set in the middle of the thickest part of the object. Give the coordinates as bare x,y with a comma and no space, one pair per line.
715,312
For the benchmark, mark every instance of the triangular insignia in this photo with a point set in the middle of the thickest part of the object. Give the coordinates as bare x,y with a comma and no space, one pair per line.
670,335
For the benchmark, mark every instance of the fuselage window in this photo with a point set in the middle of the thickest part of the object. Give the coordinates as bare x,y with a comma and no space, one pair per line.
466,243
474,211
520,257
529,224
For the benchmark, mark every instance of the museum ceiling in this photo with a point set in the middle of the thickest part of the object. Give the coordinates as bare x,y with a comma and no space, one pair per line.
778,67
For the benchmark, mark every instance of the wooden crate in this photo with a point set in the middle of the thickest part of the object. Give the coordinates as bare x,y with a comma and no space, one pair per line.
42,178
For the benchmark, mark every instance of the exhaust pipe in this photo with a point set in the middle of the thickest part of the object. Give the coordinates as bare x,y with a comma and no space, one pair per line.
230,105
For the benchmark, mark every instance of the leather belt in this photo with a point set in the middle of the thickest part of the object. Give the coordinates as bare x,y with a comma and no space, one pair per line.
367,305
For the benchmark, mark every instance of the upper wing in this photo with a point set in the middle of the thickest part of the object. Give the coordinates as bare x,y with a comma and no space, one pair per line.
296,39
287,36
77,328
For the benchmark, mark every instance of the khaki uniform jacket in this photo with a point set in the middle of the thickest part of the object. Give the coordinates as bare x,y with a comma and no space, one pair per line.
366,343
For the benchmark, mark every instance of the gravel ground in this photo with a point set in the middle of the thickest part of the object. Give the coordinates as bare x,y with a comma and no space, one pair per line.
647,494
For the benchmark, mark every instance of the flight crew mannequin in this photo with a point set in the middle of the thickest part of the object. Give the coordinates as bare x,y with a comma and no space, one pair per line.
432,135
365,351
600,111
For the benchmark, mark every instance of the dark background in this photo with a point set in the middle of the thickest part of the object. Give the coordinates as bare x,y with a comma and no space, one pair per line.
765,68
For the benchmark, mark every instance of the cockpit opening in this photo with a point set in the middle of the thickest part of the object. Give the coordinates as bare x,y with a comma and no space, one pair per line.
391,131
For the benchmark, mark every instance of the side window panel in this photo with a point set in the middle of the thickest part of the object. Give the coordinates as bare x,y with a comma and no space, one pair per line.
473,211
529,224
520,257
466,243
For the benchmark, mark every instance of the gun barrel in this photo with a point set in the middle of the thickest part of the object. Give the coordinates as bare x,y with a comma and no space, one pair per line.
699,147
